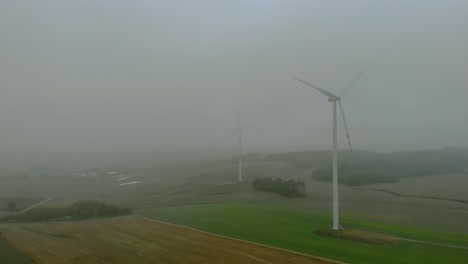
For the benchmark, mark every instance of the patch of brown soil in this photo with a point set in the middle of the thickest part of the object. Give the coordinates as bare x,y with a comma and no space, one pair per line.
360,236
370,237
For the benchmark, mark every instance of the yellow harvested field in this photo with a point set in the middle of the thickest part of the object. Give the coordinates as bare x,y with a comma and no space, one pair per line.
134,239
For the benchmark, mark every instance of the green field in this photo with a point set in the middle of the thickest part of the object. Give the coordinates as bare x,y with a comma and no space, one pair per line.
295,231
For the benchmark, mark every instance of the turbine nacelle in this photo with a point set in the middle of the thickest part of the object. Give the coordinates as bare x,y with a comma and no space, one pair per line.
334,98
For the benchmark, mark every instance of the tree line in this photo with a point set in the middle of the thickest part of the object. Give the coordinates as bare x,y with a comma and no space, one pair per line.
288,188
79,210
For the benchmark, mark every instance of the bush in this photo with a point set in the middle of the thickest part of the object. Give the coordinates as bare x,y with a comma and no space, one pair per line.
288,188
79,210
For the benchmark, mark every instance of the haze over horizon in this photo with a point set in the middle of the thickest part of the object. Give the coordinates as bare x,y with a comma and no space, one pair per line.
102,76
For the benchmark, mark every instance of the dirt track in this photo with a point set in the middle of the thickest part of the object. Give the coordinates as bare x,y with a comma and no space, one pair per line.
134,239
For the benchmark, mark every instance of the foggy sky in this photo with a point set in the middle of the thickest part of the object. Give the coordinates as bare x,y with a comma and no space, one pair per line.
105,75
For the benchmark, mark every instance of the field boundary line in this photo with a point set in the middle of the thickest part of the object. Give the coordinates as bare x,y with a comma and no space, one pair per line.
432,243
420,196
246,241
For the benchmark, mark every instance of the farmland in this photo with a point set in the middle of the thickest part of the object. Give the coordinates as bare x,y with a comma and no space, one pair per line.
133,239
9,254
203,196
444,186
295,231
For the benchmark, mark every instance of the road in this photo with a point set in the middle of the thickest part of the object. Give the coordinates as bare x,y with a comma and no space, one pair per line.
34,205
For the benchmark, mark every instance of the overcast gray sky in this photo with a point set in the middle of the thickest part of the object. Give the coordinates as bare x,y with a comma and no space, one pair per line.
140,74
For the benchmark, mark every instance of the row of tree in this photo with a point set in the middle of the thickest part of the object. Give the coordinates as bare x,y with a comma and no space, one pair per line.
90,208
288,188
79,210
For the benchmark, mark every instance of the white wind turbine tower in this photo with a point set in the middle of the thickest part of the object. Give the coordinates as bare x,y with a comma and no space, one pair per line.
334,98
239,133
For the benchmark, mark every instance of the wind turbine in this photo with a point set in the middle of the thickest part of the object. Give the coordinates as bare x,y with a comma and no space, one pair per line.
335,98
238,131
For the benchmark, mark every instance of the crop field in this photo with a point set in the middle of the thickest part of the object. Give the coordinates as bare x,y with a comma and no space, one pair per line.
295,231
195,198
9,254
444,186
134,239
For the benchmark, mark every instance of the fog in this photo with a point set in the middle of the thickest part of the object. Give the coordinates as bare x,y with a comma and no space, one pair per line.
99,77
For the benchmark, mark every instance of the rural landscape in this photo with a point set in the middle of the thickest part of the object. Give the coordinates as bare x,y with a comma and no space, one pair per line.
241,131
382,221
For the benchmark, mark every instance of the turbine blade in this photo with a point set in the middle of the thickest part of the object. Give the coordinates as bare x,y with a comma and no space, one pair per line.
317,88
345,125
233,134
347,87
256,128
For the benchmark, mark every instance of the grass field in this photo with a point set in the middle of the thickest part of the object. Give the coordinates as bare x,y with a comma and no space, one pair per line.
138,240
295,230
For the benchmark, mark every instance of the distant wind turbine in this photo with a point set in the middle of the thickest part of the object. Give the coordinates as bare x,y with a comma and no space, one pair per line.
334,98
238,131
